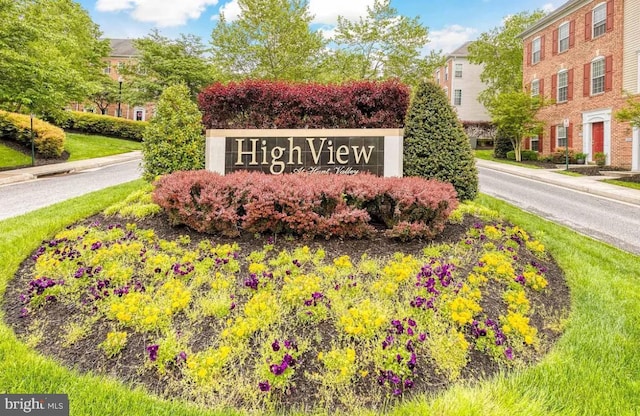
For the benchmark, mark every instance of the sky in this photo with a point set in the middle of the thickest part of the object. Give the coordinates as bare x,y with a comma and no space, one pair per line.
450,22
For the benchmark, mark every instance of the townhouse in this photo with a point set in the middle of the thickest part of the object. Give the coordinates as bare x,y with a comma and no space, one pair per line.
460,80
583,58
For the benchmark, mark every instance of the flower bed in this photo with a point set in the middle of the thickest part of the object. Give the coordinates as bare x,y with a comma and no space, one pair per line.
284,324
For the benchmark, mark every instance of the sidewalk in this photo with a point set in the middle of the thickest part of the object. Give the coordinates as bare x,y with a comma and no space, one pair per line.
27,174
589,184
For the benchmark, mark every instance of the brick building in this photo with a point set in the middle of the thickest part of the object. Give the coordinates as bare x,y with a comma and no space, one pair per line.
584,56
122,53
460,79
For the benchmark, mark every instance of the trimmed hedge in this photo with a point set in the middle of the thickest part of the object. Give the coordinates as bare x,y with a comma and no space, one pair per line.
48,139
525,155
277,104
103,125
305,205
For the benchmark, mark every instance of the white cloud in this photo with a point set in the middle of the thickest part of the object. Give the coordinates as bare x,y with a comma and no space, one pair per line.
324,11
162,13
450,38
549,7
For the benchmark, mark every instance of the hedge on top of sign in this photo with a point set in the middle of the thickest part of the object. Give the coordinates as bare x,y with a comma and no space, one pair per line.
253,104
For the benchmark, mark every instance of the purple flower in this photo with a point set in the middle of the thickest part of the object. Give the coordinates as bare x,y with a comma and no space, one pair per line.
24,312
508,353
395,379
288,360
233,306
410,331
275,345
96,245
399,358
79,273
264,386
252,281
397,392
408,384
290,344
153,351
422,337
181,357
412,361
411,322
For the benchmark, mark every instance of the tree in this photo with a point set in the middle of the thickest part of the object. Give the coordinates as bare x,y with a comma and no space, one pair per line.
106,94
500,51
174,139
50,54
630,112
435,145
164,62
381,45
270,40
514,114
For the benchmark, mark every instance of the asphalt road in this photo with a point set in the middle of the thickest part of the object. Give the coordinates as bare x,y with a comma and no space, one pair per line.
23,197
616,223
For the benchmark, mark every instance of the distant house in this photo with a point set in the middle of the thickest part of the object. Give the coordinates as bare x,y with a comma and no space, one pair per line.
460,79
123,52
584,57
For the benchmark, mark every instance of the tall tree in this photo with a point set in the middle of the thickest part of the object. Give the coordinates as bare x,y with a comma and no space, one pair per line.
271,39
382,44
501,52
105,94
164,62
50,54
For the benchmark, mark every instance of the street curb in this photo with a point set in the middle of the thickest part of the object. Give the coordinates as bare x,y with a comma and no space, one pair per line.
34,172
588,185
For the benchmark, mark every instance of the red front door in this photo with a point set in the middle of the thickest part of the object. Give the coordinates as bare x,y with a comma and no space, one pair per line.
597,138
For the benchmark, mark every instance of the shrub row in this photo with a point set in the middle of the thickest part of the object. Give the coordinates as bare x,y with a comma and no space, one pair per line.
99,124
269,104
524,154
48,139
305,205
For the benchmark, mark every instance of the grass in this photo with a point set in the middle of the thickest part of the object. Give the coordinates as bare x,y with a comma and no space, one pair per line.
10,157
488,155
593,370
632,185
84,146
568,173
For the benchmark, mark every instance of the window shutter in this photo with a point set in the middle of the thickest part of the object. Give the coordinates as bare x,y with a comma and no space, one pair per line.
526,144
554,86
609,15
529,54
554,45
570,135
588,19
570,85
542,47
541,87
553,138
586,80
572,33
608,73
540,148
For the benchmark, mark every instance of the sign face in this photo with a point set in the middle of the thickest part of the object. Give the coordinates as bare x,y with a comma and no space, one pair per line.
348,155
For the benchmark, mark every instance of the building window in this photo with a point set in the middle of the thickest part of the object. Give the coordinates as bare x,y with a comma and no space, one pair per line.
446,73
107,69
600,19
458,73
561,136
457,97
563,37
563,86
535,87
597,76
535,50
438,76
535,143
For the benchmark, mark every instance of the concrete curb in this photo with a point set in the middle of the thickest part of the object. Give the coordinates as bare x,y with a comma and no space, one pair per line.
588,184
34,172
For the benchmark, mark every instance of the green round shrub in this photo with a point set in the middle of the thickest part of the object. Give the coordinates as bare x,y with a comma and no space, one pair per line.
174,139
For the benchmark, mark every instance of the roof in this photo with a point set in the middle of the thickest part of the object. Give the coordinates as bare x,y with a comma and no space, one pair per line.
461,52
123,47
557,14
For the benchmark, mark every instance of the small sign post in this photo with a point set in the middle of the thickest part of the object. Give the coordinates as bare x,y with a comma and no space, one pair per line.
565,123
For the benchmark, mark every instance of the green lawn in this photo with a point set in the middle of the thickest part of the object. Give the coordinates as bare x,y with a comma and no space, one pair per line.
632,185
594,369
488,155
83,146
10,157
